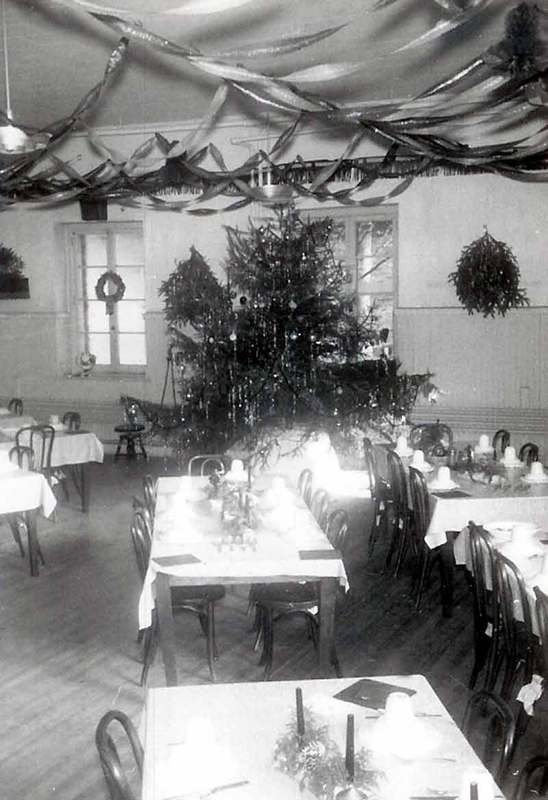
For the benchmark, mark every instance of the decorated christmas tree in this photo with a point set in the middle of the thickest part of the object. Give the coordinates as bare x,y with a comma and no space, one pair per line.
280,344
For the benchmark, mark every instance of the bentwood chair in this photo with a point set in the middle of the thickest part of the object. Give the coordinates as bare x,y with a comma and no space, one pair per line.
421,519
72,420
304,485
541,611
116,777
398,505
500,442
517,643
528,452
199,600
276,600
378,491
482,581
40,439
490,728
207,464
15,406
319,506
533,780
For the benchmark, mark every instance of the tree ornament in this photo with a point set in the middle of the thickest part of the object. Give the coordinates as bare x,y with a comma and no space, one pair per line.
487,278
112,278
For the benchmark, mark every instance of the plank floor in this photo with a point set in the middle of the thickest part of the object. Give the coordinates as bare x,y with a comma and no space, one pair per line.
69,650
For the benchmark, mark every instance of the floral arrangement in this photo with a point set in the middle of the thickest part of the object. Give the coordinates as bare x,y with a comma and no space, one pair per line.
317,763
10,262
487,278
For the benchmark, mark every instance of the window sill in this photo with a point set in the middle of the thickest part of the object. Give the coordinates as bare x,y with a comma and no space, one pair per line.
106,376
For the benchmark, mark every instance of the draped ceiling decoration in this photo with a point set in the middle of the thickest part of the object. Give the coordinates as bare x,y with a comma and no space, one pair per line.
505,84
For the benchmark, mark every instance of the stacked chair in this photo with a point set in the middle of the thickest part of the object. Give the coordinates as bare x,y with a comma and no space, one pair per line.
379,495
490,727
482,581
112,726
399,512
199,600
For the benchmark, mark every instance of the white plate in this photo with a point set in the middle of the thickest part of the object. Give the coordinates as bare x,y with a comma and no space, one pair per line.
434,486
535,479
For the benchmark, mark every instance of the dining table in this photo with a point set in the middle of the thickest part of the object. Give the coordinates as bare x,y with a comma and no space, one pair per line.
72,452
26,493
195,542
287,739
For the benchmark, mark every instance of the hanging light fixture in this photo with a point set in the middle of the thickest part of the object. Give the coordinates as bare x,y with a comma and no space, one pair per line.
14,140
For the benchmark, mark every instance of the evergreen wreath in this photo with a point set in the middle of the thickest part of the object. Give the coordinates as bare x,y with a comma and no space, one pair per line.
115,296
487,278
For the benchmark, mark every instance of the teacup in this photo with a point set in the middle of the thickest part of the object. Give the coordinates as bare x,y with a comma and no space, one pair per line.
401,445
54,419
510,455
483,443
537,470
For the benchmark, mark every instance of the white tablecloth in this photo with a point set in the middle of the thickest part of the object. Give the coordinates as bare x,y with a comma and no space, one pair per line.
197,738
22,491
78,447
12,423
194,529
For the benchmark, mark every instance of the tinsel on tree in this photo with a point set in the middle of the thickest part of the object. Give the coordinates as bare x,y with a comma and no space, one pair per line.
280,343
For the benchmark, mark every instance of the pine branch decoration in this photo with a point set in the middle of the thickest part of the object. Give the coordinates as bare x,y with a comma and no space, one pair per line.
487,278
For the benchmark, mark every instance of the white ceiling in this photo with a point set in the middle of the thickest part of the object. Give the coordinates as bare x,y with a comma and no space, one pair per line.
56,54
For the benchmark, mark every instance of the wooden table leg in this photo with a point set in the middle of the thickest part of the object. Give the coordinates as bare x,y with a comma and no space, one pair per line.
447,563
328,596
167,633
84,486
32,536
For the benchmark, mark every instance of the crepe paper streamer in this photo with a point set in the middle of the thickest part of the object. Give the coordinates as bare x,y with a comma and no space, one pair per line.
189,144
136,31
349,755
87,6
277,47
444,27
300,711
323,73
202,7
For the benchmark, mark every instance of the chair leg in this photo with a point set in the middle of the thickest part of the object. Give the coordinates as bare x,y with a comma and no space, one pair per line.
143,451
424,569
211,649
14,525
268,643
118,449
150,647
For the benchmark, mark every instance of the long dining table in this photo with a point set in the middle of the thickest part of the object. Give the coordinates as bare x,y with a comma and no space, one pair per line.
72,451
23,492
190,547
234,740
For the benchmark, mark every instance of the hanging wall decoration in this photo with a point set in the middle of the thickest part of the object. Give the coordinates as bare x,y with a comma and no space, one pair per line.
113,280
13,283
487,278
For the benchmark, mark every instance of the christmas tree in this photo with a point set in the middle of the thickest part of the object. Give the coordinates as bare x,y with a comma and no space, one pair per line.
279,344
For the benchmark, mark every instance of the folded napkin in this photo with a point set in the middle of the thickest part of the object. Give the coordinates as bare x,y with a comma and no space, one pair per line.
176,561
319,555
370,693
451,493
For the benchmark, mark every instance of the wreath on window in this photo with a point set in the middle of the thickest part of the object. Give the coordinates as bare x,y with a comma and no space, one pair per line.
119,289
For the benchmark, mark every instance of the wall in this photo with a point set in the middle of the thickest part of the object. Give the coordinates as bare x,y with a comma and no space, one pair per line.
486,367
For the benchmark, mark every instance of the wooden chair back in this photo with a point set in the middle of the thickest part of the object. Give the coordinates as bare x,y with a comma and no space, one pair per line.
500,442
319,507
528,452
482,556
115,776
541,610
22,456
490,727
420,501
72,420
206,464
304,484
15,406
141,538
336,528
533,780
397,483
149,492
40,439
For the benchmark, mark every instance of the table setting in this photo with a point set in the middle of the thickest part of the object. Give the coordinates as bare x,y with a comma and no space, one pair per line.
385,738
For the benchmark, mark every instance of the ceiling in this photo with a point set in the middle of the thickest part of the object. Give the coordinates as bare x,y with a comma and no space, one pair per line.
57,52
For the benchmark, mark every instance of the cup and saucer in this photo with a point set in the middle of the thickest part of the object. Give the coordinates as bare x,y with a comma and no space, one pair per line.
536,474
402,448
510,459
418,462
443,481
483,447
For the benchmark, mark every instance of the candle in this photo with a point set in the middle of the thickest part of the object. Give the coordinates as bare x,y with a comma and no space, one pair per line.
300,711
349,759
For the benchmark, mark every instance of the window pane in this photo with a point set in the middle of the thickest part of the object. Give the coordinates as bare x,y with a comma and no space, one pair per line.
132,348
134,279
129,248
99,345
383,309
374,242
98,319
130,316
95,249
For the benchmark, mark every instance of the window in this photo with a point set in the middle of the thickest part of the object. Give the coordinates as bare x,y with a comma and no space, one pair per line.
364,240
117,340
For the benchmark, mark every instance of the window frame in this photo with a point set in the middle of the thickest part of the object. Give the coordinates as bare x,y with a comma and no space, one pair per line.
78,288
351,216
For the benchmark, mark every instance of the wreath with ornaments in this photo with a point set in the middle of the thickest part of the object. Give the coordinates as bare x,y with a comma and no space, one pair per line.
112,279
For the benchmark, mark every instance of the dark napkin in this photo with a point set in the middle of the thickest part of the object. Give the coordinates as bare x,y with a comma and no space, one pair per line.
370,693
319,555
176,561
452,493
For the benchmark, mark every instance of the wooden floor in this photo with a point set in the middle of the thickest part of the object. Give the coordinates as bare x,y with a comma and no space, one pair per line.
69,651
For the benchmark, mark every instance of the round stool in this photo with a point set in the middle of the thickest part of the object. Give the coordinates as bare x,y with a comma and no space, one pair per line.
130,435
